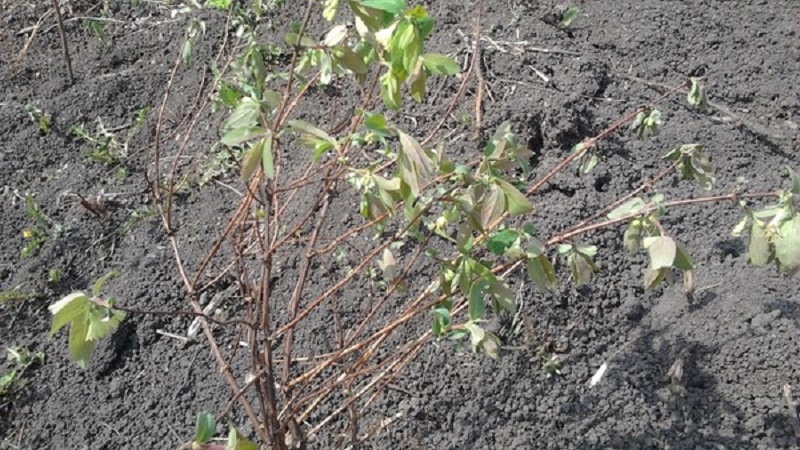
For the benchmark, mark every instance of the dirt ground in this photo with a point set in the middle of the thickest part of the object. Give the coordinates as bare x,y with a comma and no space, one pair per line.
737,338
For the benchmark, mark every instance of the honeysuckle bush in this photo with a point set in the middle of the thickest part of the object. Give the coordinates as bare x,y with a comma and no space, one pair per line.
473,218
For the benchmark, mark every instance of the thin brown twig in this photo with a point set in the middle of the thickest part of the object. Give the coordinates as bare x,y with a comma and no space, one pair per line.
479,73
733,197
64,43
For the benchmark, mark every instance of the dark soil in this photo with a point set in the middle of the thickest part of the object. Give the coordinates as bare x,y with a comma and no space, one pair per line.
737,338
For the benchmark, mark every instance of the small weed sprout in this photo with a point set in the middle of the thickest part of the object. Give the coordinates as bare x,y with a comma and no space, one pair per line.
40,118
21,360
40,228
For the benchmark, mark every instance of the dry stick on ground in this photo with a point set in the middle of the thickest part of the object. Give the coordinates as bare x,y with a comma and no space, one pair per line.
34,30
64,44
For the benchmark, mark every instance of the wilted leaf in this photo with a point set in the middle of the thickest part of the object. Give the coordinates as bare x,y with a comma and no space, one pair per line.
490,345
589,163
787,246
301,126
477,307
758,251
418,86
632,206
652,277
583,268
662,251
335,35
739,228
388,265
492,206
541,271
421,162
251,160
697,94
236,441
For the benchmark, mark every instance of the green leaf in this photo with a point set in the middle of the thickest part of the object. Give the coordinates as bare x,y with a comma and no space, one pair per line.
80,349
787,246
390,90
103,322
441,321
205,427
349,59
98,285
68,309
501,241
251,160
376,122
440,64
516,200
245,115
266,156
662,251
541,271
220,4
569,15
390,6
239,135
477,307
682,259
305,128
758,251
632,206
236,441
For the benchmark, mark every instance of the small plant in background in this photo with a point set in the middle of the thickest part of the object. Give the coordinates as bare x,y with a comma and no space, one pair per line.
568,16
89,317
55,275
15,294
105,146
40,228
206,428
40,118
20,360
